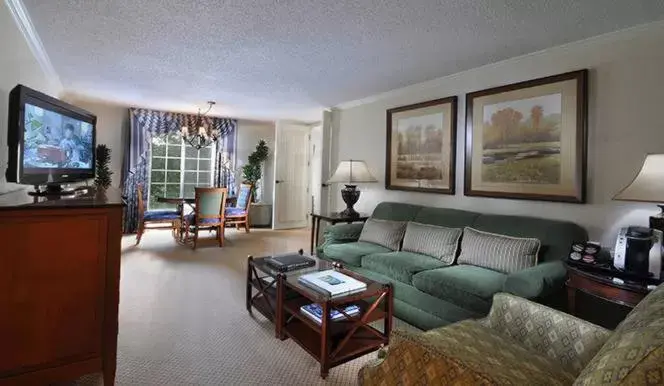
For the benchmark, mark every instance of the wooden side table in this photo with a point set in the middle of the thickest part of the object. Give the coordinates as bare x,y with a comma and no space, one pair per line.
602,286
332,218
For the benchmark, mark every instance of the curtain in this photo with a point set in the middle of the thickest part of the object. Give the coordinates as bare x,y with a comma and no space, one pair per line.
225,160
143,125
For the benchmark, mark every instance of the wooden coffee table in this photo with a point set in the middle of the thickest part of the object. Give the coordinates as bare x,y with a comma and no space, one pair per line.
331,343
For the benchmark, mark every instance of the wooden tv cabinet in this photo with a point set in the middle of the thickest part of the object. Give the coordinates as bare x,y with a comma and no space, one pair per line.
59,287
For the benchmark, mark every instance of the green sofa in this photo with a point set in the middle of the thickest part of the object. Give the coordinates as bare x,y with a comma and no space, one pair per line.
428,294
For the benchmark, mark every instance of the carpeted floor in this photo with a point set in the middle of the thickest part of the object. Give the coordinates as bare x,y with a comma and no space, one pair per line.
183,319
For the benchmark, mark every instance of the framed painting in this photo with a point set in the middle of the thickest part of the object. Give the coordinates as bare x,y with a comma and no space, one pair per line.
421,147
528,140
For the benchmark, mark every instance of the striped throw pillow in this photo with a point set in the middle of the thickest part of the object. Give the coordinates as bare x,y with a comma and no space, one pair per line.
382,232
431,240
498,252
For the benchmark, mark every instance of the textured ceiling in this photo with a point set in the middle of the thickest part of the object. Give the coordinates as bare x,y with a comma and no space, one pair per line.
289,58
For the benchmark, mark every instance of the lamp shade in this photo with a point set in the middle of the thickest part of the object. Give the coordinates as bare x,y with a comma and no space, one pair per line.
648,185
352,171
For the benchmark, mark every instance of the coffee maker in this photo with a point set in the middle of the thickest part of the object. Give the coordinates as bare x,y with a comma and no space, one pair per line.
639,251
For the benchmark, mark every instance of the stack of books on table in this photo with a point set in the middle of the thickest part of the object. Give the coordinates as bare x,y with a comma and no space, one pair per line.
290,262
315,312
332,283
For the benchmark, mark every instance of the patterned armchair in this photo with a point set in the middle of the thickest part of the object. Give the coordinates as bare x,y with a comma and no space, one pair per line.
239,215
521,342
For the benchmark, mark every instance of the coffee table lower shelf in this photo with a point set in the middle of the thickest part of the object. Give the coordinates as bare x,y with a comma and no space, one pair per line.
360,343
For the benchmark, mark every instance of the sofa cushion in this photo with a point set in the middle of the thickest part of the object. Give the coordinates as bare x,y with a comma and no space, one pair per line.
351,253
556,236
498,252
383,232
633,354
431,240
400,265
466,285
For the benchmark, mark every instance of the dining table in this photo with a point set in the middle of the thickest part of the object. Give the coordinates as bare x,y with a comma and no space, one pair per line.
180,202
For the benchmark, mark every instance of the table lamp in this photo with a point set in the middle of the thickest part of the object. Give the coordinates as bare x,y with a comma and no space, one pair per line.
350,173
648,186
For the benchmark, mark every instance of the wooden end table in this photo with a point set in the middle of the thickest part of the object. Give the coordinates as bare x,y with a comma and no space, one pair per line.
601,285
333,218
331,343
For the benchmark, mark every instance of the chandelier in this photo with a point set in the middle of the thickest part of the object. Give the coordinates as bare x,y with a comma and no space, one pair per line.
200,135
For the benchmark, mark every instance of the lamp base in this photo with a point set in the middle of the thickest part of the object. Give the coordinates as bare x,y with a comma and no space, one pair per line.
657,221
350,195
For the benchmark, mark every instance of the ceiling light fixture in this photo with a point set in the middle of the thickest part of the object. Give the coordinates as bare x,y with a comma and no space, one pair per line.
200,135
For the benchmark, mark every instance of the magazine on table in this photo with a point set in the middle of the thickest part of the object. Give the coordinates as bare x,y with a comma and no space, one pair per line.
315,312
332,283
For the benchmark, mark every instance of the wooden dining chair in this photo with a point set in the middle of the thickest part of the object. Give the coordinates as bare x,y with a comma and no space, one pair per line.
239,215
163,219
208,214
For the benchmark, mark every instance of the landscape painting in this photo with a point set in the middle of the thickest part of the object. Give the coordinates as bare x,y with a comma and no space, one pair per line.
528,140
420,146
521,141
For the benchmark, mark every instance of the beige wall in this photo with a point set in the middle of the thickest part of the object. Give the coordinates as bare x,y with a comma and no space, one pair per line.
626,94
17,65
248,135
112,130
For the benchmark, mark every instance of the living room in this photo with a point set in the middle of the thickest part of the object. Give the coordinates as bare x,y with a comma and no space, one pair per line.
350,74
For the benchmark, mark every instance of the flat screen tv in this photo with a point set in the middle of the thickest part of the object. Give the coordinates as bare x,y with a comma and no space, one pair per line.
50,142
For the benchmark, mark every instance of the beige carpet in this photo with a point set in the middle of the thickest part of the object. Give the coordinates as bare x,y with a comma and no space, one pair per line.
183,319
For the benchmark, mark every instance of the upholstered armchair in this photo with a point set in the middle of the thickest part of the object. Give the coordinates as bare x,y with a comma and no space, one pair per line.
157,219
209,214
239,214
525,343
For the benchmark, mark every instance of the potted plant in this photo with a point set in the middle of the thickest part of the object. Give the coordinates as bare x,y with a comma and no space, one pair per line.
103,172
252,171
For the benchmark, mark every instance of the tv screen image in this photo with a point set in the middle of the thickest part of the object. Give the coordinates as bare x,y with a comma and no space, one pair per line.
55,141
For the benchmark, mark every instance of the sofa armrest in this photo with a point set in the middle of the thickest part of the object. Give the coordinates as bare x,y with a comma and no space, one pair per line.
342,233
538,281
571,341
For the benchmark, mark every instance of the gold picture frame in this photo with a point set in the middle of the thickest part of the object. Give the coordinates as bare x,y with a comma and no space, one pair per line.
528,140
421,147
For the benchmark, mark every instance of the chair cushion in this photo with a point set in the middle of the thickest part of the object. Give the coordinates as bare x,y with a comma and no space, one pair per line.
352,253
382,232
235,212
468,286
154,215
498,252
431,240
191,220
400,266
464,353
496,357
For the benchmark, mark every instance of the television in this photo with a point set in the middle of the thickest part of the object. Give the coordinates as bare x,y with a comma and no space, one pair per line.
50,142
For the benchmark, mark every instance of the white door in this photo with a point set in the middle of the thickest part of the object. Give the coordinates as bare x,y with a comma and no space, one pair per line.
291,175
316,166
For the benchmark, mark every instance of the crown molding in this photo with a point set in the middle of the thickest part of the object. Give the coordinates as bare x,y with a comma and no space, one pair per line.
24,24
609,37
